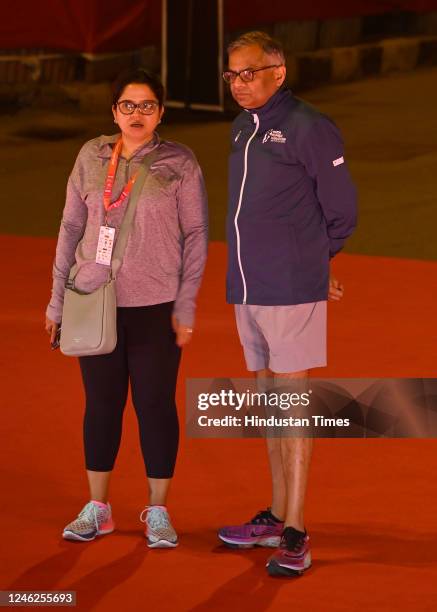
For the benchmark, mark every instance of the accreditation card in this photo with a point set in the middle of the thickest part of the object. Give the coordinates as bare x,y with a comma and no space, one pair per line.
105,245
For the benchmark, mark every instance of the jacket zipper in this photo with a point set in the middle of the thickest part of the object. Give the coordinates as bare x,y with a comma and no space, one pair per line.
243,278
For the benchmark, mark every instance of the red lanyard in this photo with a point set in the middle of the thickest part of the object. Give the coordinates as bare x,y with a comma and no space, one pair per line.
112,169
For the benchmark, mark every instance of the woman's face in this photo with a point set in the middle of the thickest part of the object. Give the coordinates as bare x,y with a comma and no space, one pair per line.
137,126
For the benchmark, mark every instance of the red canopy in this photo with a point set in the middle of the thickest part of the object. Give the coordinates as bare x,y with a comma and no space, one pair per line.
93,26
98,26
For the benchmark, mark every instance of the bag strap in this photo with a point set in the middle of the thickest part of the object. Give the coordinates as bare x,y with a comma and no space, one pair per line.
123,234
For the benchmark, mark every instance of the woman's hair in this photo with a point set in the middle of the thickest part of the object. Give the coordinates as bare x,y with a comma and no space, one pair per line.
138,76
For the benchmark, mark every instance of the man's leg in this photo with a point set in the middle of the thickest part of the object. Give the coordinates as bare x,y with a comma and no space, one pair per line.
289,460
279,491
296,458
293,555
265,528
296,339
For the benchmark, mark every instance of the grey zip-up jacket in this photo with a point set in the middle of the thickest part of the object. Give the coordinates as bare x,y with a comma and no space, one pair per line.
167,246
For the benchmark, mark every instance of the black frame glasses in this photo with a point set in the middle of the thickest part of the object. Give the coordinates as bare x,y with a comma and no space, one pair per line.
246,75
146,107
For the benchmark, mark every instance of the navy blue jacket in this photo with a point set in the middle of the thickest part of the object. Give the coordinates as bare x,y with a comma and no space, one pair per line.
292,203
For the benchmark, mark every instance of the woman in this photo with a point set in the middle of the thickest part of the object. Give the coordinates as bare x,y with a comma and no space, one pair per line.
157,286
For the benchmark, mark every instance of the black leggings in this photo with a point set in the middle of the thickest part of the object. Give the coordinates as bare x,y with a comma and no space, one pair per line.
147,355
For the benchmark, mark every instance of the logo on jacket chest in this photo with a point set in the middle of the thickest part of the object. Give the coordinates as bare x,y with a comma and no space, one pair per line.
274,136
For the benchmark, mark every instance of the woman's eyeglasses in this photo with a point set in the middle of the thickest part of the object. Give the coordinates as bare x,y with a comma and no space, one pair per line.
147,107
245,75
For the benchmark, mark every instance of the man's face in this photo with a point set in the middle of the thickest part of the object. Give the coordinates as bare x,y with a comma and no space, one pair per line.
265,82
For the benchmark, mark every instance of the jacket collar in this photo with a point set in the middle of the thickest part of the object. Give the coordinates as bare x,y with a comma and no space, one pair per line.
274,107
106,144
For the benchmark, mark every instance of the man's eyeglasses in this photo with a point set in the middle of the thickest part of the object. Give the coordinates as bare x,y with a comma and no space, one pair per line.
245,75
147,107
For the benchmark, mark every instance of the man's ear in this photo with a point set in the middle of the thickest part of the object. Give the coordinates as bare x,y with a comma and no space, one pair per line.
280,74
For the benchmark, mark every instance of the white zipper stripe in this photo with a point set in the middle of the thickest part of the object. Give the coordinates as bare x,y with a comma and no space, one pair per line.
239,206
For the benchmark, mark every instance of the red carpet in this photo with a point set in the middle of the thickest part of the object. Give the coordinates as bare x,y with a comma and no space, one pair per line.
371,504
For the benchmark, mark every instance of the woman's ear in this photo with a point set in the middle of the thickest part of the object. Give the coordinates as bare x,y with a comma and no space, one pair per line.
114,113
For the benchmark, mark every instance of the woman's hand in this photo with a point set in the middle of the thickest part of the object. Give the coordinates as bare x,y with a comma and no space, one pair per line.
336,290
183,333
51,328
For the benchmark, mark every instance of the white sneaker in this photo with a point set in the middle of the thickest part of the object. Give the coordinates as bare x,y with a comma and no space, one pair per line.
159,530
94,519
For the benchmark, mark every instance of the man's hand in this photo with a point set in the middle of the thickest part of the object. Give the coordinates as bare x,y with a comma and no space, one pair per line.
183,333
51,328
336,290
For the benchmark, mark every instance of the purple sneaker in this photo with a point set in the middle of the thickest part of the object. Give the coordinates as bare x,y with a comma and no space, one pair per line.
263,530
293,556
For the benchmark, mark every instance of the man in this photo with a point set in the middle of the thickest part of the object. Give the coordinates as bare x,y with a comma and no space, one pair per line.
292,205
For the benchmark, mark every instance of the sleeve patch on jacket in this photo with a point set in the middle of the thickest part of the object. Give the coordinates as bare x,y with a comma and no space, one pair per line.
338,161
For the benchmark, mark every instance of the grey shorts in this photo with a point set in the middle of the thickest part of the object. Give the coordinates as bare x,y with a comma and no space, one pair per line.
283,338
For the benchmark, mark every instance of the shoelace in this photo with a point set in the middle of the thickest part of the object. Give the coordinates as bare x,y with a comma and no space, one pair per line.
292,540
162,514
264,517
90,508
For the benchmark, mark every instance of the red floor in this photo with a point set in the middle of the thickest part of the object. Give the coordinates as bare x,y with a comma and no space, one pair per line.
371,504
